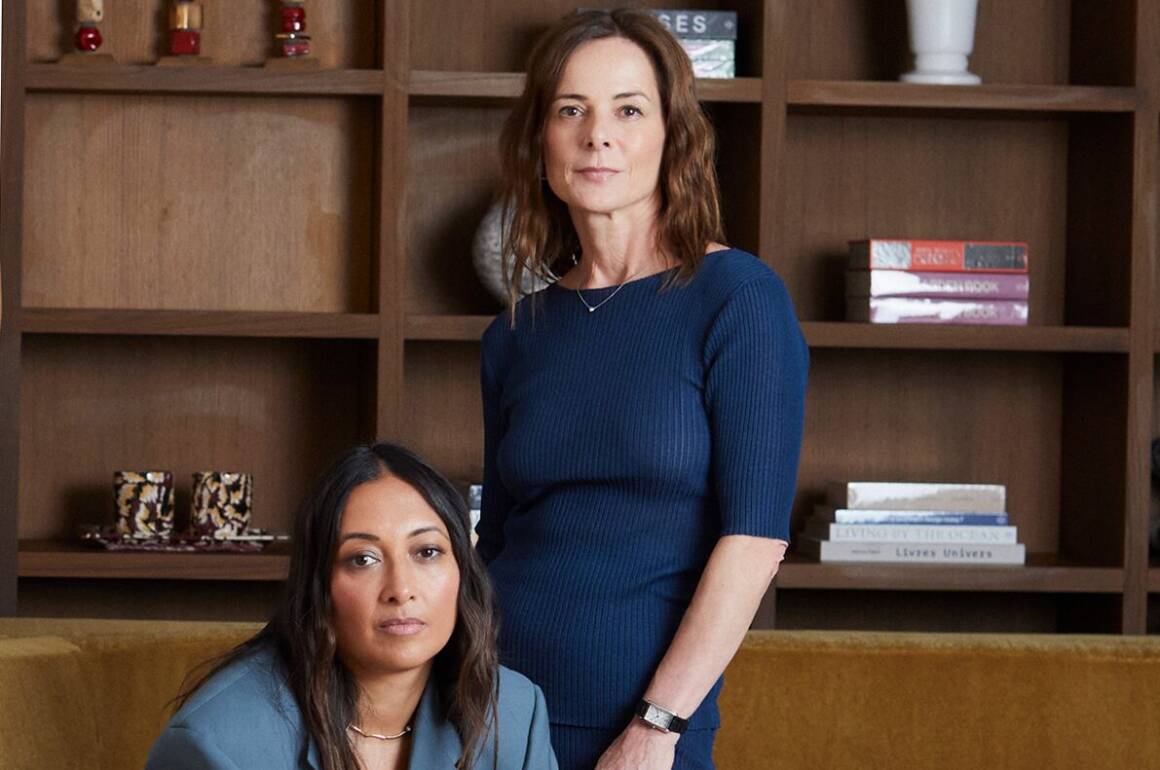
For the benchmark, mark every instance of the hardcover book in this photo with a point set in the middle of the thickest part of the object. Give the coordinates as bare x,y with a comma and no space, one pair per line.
901,283
918,496
909,533
894,310
894,517
938,256
912,553
699,25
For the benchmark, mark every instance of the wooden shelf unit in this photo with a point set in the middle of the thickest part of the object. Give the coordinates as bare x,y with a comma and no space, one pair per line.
375,314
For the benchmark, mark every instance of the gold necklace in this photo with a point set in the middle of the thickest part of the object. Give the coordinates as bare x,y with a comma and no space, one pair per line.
376,736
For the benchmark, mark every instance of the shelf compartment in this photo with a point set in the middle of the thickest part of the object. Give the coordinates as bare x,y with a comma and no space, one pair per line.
235,34
1042,574
61,559
199,323
842,95
1075,42
498,37
133,78
289,225
502,86
281,409
450,328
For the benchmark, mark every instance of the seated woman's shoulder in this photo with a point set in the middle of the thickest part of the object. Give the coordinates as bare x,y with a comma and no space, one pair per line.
244,712
517,695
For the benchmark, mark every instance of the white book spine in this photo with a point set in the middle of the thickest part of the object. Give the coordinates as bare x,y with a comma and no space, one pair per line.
912,553
911,533
965,498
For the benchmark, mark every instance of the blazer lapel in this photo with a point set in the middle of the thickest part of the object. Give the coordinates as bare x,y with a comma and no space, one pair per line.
436,741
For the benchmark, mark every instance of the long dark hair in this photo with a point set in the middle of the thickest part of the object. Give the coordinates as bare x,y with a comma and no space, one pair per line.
541,236
465,670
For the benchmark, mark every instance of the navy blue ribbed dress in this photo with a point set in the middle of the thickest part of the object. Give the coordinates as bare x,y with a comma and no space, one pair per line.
620,445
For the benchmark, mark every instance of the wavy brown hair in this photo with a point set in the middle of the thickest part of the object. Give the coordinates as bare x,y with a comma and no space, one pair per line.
541,236
301,631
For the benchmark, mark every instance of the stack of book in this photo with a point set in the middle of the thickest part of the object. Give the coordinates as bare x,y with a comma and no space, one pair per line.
947,282
912,523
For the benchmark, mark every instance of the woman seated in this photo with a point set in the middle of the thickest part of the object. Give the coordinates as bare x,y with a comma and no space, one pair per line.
382,653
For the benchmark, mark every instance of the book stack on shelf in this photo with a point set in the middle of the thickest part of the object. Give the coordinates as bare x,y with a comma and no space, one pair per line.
941,282
870,521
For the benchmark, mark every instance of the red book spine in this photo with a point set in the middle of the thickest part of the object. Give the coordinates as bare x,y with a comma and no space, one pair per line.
941,256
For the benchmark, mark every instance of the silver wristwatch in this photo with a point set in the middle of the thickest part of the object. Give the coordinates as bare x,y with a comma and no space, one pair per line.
660,718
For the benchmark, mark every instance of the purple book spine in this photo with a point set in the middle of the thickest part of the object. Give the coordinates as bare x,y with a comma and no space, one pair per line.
898,283
937,311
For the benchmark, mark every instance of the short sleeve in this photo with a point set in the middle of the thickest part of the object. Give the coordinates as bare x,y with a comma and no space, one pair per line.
756,365
496,501
183,748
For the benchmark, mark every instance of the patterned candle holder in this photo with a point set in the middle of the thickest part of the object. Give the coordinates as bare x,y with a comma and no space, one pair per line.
144,503
292,41
222,503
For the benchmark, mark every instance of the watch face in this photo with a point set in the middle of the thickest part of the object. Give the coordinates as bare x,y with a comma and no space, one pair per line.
658,717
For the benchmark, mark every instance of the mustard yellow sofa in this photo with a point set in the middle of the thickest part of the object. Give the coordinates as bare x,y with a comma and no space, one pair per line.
92,695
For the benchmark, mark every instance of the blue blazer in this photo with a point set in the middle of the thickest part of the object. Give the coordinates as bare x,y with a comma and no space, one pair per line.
245,718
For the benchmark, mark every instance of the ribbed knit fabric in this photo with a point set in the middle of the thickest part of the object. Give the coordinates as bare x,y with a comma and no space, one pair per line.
620,445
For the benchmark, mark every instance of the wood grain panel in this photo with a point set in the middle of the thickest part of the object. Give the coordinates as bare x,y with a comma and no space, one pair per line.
147,599
239,32
497,35
11,230
951,417
196,203
856,177
1023,42
949,612
452,178
281,410
443,407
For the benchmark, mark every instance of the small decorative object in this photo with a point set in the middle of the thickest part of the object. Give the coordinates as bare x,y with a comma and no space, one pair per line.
90,13
144,503
110,539
490,264
185,22
88,40
222,503
942,35
709,37
292,40
474,504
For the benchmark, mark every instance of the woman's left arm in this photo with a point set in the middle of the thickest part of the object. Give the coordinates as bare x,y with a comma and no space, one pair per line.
735,580
756,363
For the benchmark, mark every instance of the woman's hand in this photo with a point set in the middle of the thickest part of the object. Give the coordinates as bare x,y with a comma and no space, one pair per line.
640,747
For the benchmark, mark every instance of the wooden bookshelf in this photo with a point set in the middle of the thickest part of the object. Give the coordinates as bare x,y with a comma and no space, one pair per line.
200,323
296,277
151,79
62,559
1015,98
491,86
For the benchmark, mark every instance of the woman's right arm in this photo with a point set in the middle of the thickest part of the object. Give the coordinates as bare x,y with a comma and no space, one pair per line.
184,748
496,501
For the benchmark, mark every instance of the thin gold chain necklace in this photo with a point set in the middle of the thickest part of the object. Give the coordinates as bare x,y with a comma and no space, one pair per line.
376,736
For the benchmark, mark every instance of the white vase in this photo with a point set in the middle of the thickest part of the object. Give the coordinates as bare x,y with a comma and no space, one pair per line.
942,35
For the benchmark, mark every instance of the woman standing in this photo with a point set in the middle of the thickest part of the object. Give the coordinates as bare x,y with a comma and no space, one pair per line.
643,415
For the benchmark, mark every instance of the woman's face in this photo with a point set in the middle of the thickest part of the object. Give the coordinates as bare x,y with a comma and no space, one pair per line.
605,133
395,582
